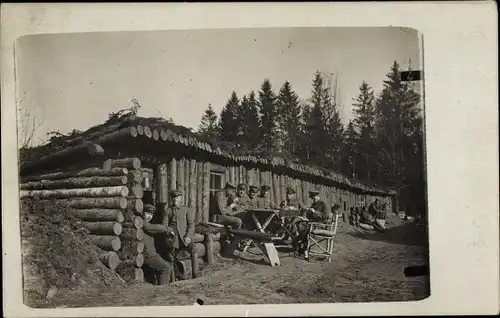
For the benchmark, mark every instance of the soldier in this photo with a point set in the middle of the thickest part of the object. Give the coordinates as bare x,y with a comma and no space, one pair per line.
265,201
226,207
319,210
161,269
292,203
181,221
253,200
241,199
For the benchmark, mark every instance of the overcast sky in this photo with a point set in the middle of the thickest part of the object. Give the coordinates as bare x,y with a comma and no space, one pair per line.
75,80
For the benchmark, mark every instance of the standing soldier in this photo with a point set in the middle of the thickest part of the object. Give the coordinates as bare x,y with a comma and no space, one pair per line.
161,269
241,199
181,221
265,201
225,207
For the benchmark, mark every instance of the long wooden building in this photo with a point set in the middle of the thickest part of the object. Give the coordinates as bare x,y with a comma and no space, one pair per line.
115,168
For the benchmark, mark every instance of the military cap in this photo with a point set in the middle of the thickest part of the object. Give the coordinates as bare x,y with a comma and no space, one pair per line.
242,186
290,190
175,193
229,186
254,189
313,193
149,208
265,188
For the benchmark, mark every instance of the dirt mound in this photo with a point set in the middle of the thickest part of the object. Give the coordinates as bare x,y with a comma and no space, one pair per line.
57,253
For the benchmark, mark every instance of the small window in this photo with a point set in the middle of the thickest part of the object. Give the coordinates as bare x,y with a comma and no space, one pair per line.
216,182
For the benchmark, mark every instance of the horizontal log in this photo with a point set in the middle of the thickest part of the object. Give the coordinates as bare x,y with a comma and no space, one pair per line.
88,148
89,172
96,203
104,228
110,259
120,191
131,163
106,242
136,191
94,215
198,238
137,223
132,235
75,182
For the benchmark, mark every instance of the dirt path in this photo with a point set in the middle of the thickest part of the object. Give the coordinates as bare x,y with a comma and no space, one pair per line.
366,267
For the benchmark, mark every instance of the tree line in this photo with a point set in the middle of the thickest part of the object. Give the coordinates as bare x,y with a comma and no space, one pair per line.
382,144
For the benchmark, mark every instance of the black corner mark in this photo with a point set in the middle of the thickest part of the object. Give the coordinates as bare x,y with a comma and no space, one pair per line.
407,76
200,301
414,271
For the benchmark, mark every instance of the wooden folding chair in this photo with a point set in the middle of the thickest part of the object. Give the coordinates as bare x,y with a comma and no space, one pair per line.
320,234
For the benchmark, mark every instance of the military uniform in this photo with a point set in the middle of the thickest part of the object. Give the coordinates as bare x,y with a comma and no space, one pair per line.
152,259
180,221
224,211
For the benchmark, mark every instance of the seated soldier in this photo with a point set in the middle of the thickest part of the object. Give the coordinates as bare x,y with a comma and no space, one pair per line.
265,201
226,208
241,199
291,211
253,199
180,220
160,268
318,212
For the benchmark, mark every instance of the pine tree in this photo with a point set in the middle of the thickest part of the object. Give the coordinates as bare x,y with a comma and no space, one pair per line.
350,155
208,124
333,123
317,131
268,114
288,118
364,111
397,124
250,124
228,123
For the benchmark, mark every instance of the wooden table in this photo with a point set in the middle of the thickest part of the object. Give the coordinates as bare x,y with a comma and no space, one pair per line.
260,227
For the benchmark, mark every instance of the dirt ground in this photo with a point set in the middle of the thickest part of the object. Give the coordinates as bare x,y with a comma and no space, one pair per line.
366,266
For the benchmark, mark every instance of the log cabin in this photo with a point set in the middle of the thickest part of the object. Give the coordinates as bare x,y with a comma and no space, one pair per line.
109,172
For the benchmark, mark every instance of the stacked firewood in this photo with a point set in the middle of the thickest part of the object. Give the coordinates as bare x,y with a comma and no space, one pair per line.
97,196
132,234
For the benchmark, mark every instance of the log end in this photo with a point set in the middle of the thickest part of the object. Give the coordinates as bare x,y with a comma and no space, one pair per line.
106,166
116,243
123,203
148,132
137,191
110,259
140,130
138,206
139,234
163,135
136,163
139,275
133,131
156,135
140,247
124,191
120,217
95,150
117,228
139,260
138,222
